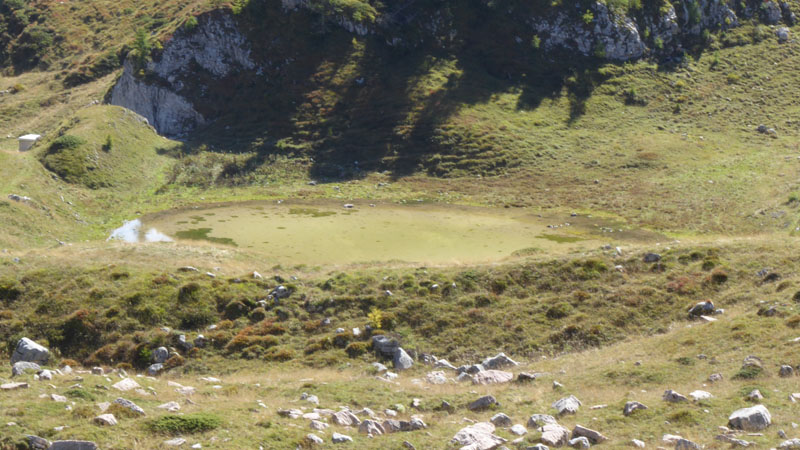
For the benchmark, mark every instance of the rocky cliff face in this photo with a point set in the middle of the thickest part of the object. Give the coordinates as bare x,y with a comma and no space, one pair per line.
215,48
184,86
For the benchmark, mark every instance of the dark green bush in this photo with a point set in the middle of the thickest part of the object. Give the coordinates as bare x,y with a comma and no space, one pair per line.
187,423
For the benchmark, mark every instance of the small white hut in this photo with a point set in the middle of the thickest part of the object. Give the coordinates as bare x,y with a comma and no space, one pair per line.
27,141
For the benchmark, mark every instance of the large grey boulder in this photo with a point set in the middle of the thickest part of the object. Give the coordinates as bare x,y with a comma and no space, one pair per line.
498,362
401,359
567,405
21,367
479,436
755,418
30,351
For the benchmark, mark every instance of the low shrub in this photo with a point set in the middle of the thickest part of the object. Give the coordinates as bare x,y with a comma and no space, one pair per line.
187,423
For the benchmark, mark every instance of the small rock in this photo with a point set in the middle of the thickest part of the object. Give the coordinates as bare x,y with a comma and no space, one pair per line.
492,377
791,444
651,257
595,437
478,436
170,406
105,420
160,355
499,361
485,402
314,439
579,442
638,444
673,397
340,438
755,395
401,360
554,434
155,369
345,418
540,420
37,442
126,384
567,405
501,420
177,442
715,377
700,395
73,445
685,444
13,386
630,407
317,425
519,430
786,371
525,377
371,427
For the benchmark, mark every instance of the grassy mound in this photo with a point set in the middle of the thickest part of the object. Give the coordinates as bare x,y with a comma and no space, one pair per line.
189,423
105,146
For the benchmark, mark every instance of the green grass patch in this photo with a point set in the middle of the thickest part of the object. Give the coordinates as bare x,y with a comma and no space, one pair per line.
188,423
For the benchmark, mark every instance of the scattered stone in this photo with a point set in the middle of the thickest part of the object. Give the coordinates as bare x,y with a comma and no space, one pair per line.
127,404
595,437
702,308
638,444
752,361
685,444
715,377
500,420
177,442
188,269
525,377
401,359
97,371
670,439
567,405
21,367
492,377
340,438
437,377
579,442
105,420
170,406
732,440
485,402
651,257
409,445
471,370
443,364
58,398
754,395
554,434
345,418
30,351
13,386
280,292
540,420
539,447
557,385
155,369
519,430
791,444
371,427
700,395
392,426
673,397
314,439
478,437
127,384
317,425
630,407
498,362
783,34
380,368
786,371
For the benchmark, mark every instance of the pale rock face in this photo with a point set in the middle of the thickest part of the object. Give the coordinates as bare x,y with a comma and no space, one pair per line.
215,46
30,351
755,418
617,36
479,436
